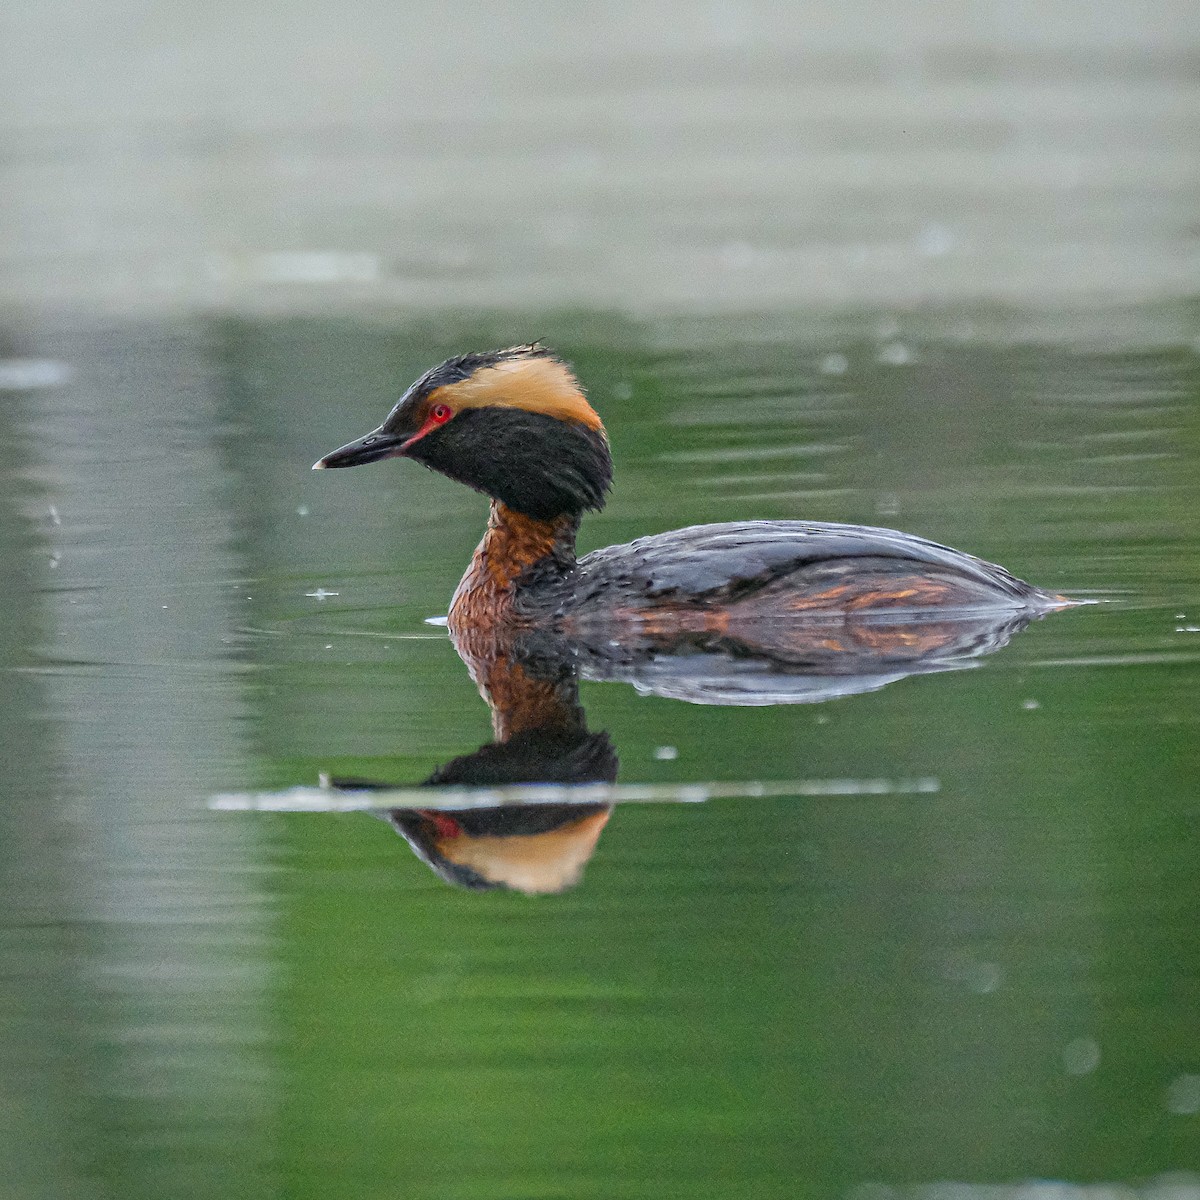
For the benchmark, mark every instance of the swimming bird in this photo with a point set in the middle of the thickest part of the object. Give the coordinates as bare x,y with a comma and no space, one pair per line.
516,425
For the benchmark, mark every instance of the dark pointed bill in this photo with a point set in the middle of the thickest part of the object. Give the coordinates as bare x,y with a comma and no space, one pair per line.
375,445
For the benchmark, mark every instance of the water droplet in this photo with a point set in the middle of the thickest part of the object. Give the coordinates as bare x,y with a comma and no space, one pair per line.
302,511
983,978
738,256
1183,1095
666,753
1030,705
835,364
1081,1056
321,594
895,354
935,240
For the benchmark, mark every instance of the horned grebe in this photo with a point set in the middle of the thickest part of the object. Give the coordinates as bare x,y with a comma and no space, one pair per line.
515,425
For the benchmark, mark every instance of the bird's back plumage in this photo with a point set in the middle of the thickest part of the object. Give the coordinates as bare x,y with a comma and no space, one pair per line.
723,563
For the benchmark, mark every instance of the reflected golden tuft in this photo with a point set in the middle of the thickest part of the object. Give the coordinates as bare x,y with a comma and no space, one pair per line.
540,864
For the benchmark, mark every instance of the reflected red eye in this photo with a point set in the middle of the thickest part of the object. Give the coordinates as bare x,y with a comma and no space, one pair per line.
440,413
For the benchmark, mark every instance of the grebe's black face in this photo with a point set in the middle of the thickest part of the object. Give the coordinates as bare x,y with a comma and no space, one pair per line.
535,464
513,424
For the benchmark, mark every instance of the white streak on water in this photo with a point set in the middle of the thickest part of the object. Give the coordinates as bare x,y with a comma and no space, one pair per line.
332,800
1148,659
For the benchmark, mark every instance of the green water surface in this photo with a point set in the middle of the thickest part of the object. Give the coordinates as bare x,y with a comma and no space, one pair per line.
820,996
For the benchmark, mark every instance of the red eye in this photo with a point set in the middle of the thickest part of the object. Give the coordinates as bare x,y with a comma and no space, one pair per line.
440,413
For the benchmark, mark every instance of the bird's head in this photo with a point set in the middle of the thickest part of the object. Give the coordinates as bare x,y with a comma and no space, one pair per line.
513,424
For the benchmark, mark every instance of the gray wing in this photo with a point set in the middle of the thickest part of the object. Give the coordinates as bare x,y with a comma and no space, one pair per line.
702,560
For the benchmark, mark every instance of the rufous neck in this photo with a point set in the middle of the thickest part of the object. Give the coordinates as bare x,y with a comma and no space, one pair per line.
522,541
516,552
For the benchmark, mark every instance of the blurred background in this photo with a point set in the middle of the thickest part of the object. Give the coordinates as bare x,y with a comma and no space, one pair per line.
704,157
929,266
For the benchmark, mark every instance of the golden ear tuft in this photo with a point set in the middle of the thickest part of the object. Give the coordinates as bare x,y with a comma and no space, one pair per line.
535,382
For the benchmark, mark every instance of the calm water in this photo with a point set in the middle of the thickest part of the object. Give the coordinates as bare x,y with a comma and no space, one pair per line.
989,978
936,932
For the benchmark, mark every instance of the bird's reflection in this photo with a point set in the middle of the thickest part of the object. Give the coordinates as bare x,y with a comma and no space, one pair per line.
541,733
530,681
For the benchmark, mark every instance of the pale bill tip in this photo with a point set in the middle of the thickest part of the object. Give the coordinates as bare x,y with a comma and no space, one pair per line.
319,465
